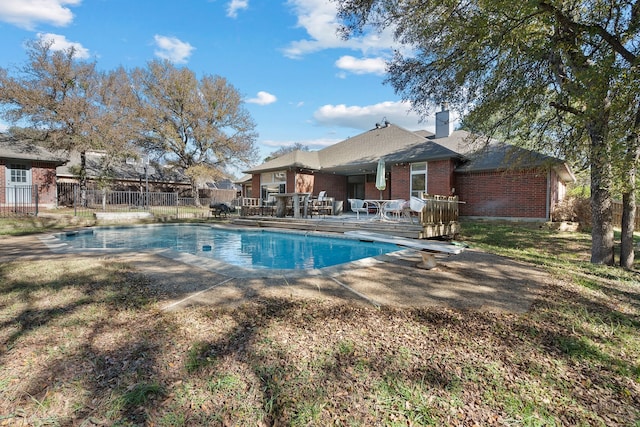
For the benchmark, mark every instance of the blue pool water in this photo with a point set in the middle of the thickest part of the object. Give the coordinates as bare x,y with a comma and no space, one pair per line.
246,248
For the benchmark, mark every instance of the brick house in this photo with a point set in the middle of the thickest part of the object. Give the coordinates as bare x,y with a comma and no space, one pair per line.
27,173
123,174
495,181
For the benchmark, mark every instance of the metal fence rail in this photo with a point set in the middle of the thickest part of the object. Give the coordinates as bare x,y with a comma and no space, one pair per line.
160,204
19,200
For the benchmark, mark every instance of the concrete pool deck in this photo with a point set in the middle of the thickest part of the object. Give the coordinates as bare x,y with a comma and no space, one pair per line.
470,280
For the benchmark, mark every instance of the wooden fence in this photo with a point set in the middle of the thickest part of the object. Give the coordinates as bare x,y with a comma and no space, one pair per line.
617,215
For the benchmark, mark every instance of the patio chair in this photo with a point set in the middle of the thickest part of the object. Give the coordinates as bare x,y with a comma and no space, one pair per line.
395,208
359,205
417,205
322,205
269,205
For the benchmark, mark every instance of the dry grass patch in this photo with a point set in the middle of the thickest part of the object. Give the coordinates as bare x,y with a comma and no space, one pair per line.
84,342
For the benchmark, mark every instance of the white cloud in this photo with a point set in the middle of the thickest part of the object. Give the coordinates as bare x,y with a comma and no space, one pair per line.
172,49
27,13
362,66
318,18
61,43
366,117
236,5
263,98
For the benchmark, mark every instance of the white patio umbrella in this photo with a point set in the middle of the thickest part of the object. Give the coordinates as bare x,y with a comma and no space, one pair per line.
381,182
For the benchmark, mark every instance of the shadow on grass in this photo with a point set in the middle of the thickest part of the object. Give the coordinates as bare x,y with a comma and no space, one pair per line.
87,342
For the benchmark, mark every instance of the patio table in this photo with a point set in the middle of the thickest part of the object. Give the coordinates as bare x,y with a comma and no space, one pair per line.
379,204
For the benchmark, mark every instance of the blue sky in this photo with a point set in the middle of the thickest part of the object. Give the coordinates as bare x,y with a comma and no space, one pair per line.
300,81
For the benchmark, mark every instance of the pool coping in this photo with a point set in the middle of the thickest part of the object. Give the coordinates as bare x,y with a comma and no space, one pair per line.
229,270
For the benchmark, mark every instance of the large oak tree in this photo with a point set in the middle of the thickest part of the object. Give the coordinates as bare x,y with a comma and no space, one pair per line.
200,126
67,104
557,75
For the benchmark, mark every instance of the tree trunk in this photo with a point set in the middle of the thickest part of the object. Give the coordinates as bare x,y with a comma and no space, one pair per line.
83,179
195,193
602,242
627,255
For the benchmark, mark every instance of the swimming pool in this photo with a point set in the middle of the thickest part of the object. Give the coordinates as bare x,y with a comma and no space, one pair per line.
249,248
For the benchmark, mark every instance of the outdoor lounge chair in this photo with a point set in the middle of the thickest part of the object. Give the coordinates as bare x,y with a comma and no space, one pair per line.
359,205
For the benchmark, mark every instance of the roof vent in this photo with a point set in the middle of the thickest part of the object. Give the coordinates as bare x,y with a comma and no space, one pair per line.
385,123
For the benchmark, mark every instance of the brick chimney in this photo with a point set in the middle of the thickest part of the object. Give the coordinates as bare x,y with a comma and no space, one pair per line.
443,123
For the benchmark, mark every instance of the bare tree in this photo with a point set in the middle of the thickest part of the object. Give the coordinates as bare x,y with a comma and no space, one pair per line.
66,104
200,126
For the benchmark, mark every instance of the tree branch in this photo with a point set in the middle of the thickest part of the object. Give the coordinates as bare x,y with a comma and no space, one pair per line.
565,108
609,38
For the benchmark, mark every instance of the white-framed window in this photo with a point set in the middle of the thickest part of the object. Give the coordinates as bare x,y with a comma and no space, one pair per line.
418,179
18,174
272,182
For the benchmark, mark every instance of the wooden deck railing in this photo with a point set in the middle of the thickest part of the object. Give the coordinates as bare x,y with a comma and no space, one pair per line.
439,209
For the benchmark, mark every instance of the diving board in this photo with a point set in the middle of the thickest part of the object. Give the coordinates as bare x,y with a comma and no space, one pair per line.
427,249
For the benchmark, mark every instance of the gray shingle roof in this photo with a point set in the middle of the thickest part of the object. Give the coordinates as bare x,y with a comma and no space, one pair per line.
119,169
499,156
360,154
293,159
15,149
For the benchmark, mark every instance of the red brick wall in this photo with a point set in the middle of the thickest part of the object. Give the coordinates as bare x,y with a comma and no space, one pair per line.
334,185
44,175
371,192
400,181
255,186
510,194
440,177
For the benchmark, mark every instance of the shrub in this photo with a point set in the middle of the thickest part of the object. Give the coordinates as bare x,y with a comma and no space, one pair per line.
574,209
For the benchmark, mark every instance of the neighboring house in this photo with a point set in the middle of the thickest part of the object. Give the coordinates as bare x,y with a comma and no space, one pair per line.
123,175
245,184
24,164
497,181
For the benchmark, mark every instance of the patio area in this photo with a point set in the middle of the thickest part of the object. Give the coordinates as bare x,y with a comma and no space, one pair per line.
436,217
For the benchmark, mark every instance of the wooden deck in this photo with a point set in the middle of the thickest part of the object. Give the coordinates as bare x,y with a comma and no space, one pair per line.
342,223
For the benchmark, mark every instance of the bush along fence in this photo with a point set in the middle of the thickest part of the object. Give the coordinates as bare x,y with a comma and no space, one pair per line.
19,200
156,204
